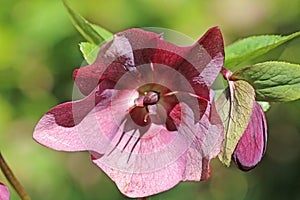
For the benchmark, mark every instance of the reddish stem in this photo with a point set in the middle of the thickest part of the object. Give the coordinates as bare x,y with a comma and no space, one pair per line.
226,73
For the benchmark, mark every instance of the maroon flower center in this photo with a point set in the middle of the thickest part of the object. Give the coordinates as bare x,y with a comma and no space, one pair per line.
153,105
151,98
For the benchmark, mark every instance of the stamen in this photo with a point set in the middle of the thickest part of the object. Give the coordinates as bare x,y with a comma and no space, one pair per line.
146,117
150,98
171,93
191,94
198,97
152,67
139,102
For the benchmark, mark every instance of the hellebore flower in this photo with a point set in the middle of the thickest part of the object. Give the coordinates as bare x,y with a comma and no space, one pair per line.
4,192
252,145
148,118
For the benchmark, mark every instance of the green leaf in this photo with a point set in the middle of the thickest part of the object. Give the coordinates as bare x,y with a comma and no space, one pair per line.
273,81
89,51
105,34
91,32
264,105
234,107
253,47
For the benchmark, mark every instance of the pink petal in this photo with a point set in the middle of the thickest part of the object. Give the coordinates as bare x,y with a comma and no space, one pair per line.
207,145
156,164
143,159
4,192
160,159
73,126
146,184
252,145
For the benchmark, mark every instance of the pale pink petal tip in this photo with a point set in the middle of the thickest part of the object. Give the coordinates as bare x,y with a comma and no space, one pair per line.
4,192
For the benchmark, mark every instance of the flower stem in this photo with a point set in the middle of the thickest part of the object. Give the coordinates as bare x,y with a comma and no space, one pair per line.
12,179
143,198
226,73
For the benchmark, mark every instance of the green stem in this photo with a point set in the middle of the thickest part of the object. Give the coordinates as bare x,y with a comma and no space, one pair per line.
143,198
12,179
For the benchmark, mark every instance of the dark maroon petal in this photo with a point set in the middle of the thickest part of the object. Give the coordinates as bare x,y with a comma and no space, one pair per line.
252,145
206,57
88,78
212,42
125,52
199,64
143,44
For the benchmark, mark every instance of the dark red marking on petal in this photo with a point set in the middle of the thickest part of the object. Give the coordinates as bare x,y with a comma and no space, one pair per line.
181,64
147,47
89,77
131,136
175,115
95,155
212,41
86,80
169,58
170,125
139,38
120,139
214,117
205,169
136,142
72,113
252,145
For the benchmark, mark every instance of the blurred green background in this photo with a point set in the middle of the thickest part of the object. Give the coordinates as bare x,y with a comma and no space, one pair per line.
39,50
